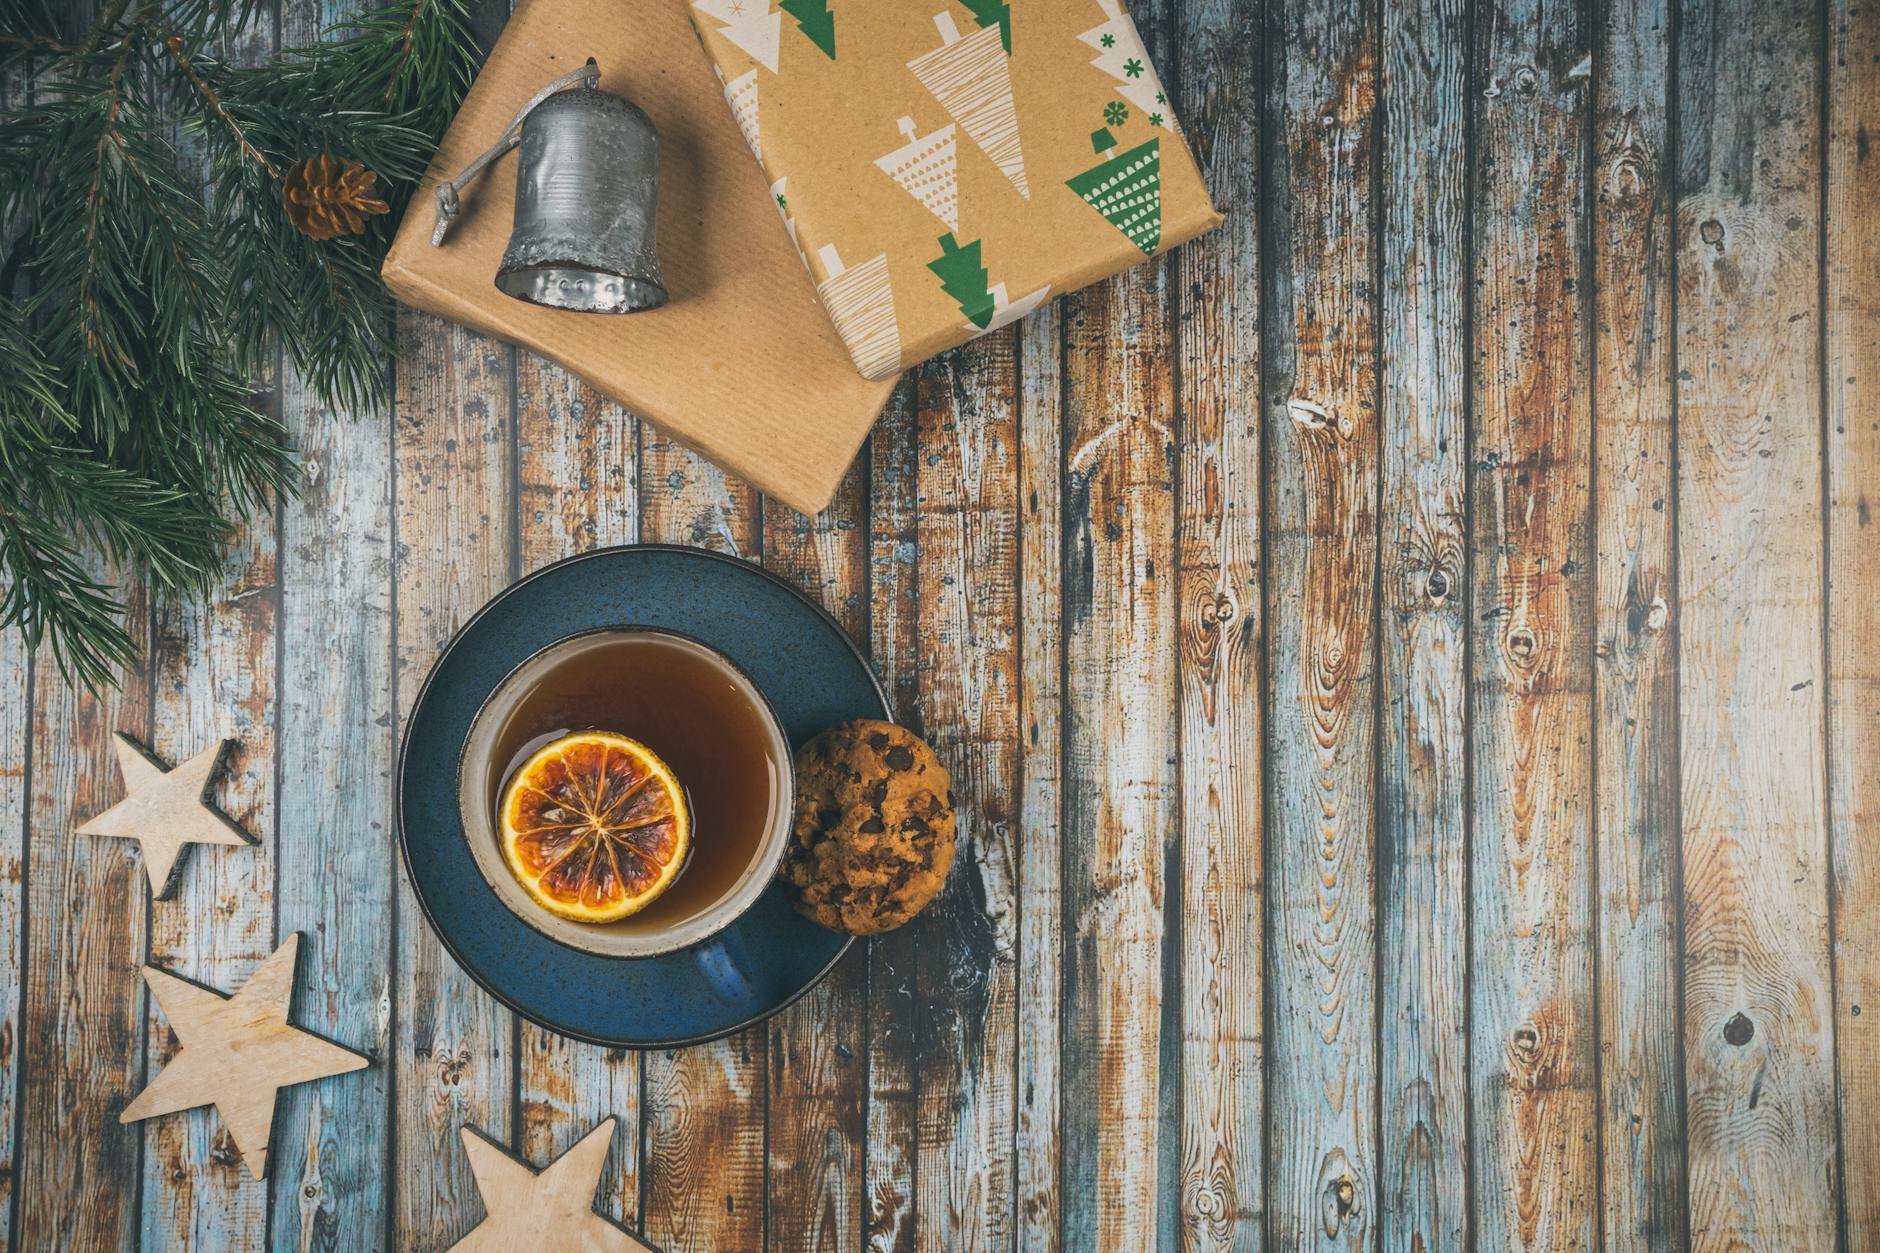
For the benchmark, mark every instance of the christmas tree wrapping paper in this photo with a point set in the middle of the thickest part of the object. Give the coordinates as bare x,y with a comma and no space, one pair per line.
946,166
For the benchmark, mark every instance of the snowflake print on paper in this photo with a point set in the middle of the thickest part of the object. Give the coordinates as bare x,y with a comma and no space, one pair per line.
1115,113
1120,54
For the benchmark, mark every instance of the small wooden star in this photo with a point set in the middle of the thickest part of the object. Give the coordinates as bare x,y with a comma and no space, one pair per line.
551,1210
165,809
238,1052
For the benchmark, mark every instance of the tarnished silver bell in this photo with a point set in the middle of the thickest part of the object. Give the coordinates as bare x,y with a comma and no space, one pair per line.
587,190
587,187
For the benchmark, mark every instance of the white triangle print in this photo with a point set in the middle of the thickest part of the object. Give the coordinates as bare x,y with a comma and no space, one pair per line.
741,95
751,25
971,77
927,168
860,301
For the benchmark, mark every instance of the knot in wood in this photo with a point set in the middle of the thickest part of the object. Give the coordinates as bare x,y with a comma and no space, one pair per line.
1739,1030
1522,645
1437,585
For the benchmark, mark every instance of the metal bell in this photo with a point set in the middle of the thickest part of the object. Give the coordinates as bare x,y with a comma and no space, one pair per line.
587,188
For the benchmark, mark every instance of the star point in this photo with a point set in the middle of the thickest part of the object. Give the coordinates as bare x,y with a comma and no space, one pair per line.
551,1209
166,809
237,1052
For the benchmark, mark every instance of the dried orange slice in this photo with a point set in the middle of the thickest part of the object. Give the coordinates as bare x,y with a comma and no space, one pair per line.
595,826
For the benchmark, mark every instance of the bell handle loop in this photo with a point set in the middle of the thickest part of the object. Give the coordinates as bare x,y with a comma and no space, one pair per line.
449,201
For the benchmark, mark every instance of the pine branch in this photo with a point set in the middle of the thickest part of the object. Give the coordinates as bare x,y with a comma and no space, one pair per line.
151,286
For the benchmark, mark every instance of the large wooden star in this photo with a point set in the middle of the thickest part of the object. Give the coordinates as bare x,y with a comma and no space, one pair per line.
238,1051
551,1210
165,809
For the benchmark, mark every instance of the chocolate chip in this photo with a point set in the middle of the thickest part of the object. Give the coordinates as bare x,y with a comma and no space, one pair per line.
872,826
900,757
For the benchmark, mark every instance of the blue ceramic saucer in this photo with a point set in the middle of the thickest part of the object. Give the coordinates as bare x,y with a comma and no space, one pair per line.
814,677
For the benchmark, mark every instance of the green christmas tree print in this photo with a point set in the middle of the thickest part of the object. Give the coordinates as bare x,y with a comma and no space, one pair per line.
1126,189
814,19
990,13
963,278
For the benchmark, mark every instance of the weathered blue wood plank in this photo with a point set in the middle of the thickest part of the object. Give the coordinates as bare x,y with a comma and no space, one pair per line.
967,437
15,735
894,621
1423,744
1758,991
1321,425
1531,617
1635,734
331,1177
82,1040
1852,251
1218,1199
453,508
331,1169
813,1105
1036,1201
1120,736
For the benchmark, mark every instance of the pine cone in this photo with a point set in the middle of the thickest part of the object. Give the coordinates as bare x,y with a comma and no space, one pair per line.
328,196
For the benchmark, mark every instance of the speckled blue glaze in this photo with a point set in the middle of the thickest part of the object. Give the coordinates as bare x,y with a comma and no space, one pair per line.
814,677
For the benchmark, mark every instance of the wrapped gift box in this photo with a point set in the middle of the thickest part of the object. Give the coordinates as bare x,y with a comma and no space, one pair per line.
934,187
742,365
945,166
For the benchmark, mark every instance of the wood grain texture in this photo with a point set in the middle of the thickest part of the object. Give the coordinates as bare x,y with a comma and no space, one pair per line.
892,1011
215,664
1758,1022
1219,1196
82,1045
330,1187
1635,744
1321,423
1423,1133
1036,1204
702,1159
1852,251
966,419
577,488
814,1107
451,1042
1531,984
15,735
334,878
1120,734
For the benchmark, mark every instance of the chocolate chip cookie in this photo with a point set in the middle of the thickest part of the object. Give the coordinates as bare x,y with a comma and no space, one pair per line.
874,827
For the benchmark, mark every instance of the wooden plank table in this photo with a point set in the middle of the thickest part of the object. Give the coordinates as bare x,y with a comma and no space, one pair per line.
1406,660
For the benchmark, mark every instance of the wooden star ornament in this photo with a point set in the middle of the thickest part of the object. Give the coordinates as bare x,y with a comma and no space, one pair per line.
165,809
551,1210
238,1052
